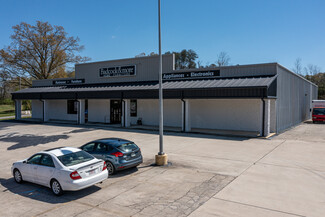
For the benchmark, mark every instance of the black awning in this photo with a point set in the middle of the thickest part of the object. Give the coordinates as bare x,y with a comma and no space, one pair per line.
214,88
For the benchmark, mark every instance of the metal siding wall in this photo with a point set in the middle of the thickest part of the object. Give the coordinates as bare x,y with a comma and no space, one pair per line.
146,69
37,109
267,69
250,70
293,99
226,114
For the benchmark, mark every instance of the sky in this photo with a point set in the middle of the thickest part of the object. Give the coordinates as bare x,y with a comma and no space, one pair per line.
250,31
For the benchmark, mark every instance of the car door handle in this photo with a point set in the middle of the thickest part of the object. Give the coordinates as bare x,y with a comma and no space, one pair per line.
35,168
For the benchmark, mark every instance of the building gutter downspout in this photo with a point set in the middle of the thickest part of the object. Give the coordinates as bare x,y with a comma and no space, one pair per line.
263,116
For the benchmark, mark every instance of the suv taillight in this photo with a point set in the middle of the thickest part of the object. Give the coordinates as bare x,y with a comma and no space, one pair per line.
117,154
75,175
105,166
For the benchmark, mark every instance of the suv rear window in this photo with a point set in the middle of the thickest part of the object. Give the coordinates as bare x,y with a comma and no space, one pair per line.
128,147
75,158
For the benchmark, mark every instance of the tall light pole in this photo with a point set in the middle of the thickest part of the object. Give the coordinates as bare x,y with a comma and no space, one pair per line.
161,158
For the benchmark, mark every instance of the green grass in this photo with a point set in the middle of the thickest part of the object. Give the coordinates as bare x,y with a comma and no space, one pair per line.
7,110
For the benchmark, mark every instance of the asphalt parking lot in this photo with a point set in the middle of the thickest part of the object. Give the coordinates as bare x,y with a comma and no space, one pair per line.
209,175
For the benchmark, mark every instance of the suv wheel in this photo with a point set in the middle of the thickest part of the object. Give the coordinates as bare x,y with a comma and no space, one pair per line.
110,168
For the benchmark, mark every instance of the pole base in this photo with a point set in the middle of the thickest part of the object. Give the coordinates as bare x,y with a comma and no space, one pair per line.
161,160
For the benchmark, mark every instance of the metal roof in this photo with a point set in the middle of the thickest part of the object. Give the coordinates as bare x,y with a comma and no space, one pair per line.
168,85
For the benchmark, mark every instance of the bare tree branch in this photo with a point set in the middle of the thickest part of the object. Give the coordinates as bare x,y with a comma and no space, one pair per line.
223,59
297,68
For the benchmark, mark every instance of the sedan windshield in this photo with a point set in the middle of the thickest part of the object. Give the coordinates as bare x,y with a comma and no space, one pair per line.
319,111
75,158
128,147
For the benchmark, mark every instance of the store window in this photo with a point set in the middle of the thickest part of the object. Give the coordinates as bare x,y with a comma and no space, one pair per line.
133,108
72,106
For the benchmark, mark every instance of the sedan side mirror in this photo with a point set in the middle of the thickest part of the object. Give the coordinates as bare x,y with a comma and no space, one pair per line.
24,162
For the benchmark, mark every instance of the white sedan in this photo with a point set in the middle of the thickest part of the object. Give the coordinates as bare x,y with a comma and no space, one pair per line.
61,169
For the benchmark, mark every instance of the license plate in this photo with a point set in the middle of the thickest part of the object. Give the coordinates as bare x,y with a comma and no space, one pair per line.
91,172
133,155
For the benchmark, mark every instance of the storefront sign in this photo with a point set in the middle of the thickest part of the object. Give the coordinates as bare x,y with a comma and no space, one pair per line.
191,75
66,82
117,71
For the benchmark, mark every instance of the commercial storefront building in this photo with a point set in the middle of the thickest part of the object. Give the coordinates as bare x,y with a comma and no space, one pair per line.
259,98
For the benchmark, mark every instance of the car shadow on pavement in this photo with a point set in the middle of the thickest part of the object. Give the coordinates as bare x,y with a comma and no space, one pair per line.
23,141
42,193
122,173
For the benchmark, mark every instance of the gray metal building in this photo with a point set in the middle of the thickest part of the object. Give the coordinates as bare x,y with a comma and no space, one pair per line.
259,99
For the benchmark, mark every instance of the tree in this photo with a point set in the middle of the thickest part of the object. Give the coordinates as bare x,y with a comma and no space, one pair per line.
3,85
312,73
39,52
319,80
223,59
312,69
185,59
297,68
199,64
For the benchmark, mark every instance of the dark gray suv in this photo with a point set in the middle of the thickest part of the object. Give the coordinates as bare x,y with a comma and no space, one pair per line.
119,154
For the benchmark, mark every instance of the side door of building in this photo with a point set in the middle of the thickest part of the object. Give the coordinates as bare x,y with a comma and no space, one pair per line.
29,170
45,170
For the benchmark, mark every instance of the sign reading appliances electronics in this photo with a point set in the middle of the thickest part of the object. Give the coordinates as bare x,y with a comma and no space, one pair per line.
191,75
117,71
72,81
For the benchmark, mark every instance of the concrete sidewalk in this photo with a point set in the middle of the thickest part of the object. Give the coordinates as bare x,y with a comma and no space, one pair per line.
289,180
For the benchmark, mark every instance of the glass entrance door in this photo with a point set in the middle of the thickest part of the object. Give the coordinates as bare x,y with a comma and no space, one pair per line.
116,111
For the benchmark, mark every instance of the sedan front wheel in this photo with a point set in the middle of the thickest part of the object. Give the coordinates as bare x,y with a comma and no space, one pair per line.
18,177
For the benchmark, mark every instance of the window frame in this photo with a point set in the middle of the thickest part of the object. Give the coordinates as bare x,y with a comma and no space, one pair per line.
134,112
100,143
40,162
72,107
66,164
28,160
94,146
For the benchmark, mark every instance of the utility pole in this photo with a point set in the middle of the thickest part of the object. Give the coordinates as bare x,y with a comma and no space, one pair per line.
161,158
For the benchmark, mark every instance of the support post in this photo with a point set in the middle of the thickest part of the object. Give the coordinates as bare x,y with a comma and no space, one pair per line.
126,113
183,115
267,117
186,118
187,115
123,113
17,109
45,108
81,111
